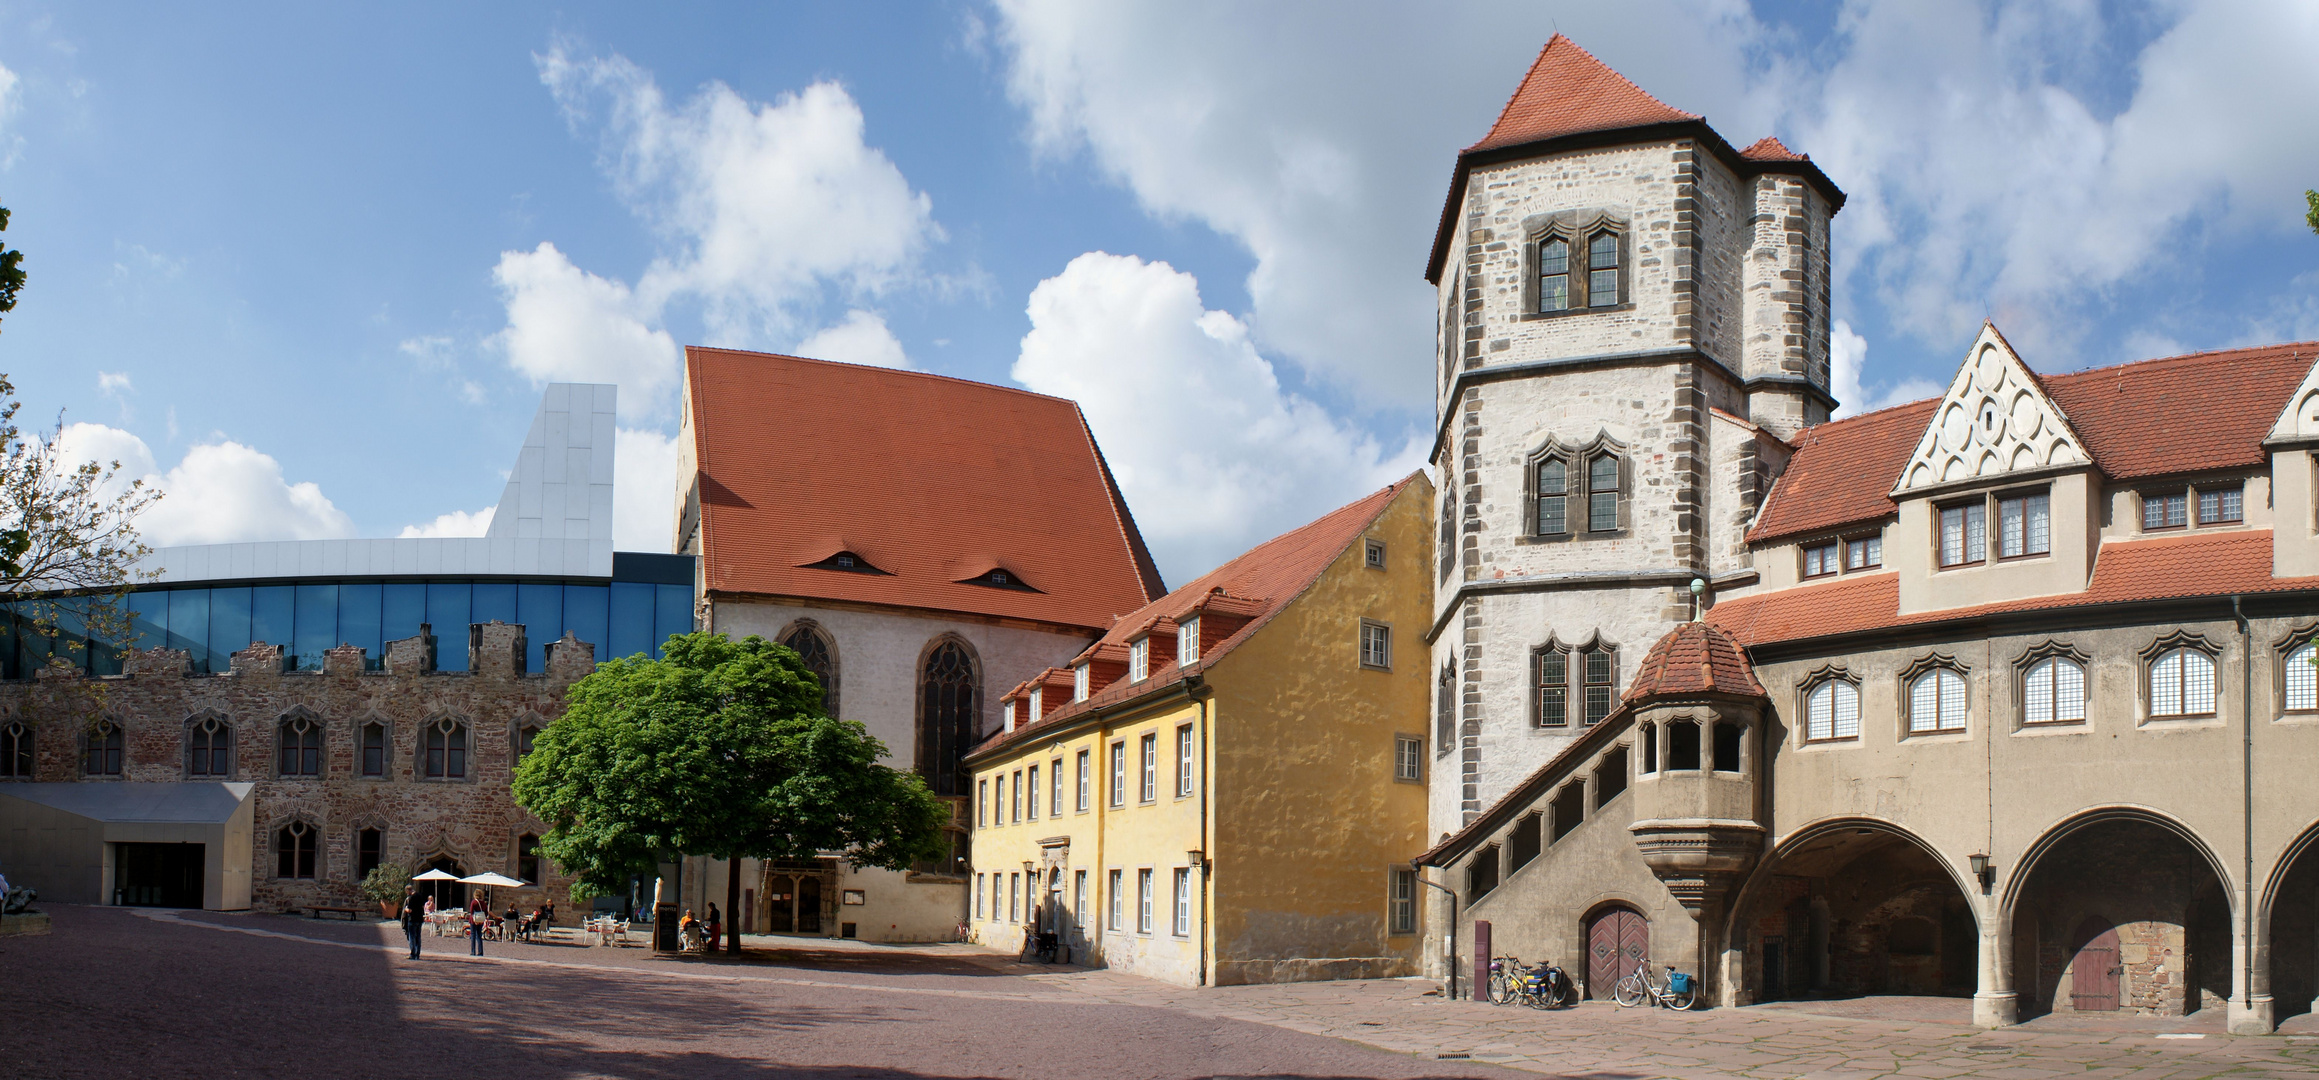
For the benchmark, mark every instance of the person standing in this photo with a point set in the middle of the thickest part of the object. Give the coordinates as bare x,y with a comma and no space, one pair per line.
478,913
715,921
413,918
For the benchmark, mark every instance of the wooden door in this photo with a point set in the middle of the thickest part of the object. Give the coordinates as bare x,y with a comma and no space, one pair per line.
781,901
809,905
1617,942
2093,985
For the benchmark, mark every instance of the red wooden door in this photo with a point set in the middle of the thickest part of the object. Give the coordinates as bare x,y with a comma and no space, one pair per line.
1617,942
2094,973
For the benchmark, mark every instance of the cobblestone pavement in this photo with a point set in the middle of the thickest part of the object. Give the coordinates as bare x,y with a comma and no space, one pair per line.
215,994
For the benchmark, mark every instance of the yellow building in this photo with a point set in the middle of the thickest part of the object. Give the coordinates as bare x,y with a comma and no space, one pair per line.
1229,786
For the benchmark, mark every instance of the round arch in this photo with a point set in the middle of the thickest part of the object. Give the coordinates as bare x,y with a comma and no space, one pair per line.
2287,939
1823,829
2010,897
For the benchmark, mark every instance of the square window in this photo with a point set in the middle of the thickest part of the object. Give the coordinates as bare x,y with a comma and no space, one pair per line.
1964,534
2024,526
1373,554
1864,553
2164,510
2221,506
1820,560
1376,645
1408,758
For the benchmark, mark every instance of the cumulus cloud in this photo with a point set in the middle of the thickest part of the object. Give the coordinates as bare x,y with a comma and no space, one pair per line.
643,491
862,338
455,523
567,325
218,493
1848,356
1209,449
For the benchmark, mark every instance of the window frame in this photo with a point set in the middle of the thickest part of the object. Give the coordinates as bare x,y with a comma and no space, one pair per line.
1936,668
1400,901
19,754
1376,649
1578,232
1445,705
1080,681
304,852
1408,759
1373,553
2144,496
1831,681
111,759
1181,888
982,803
1115,883
1055,788
1138,660
2182,644
1143,900
1974,511
1863,543
1188,641
1118,773
2294,644
1085,798
2221,492
385,748
1579,489
1147,785
1032,792
448,726
2025,497
2024,673
201,761
1831,559
302,723
1185,753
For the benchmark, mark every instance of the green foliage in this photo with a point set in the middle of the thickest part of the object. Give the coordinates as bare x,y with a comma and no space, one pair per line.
720,749
11,269
2311,215
384,884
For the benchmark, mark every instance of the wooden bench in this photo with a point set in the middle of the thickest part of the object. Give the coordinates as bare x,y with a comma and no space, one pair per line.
352,914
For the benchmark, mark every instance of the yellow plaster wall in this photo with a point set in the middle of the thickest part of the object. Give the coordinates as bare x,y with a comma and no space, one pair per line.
1308,818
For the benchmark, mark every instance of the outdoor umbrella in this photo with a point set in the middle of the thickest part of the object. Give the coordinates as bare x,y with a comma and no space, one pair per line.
435,875
490,880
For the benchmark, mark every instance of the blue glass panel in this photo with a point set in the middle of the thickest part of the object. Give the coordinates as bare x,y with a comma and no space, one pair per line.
68,634
358,623
317,625
273,614
402,609
105,650
631,619
495,600
32,648
229,627
448,607
672,615
587,614
149,618
189,623
540,608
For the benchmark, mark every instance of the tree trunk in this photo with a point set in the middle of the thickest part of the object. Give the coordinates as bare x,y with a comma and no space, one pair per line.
733,907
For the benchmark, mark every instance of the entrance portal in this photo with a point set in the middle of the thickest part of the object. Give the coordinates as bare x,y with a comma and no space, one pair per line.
1617,942
2094,967
1852,911
793,904
2122,914
449,895
157,875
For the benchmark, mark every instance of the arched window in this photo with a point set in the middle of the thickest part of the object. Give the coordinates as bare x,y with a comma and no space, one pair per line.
301,746
1554,274
2053,692
1602,493
1648,736
947,704
2182,684
1445,711
445,749
1936,701
369,851
527,858
102,755
1448,551
1582,679
15,751
209,747
1602,270
294,848
526,736
374,749
1553,495
2300,675
1832,711
820,657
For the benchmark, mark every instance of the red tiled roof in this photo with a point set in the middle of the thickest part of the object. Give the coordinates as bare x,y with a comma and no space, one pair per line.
2226,563
2174,415
1769,148
1843,471
1569,92
2182,414
1694,658
1271,573
932,480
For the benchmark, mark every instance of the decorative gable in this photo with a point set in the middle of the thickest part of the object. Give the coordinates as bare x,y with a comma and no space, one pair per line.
1996,418
2300,419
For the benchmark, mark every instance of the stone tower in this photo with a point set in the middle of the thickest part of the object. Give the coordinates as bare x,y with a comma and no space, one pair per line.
1633,321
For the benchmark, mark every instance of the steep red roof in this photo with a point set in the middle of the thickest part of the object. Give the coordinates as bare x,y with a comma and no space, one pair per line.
1770,148
1843,471
2175,567
1270,574
932,480
1694,658
2182,414
1569,92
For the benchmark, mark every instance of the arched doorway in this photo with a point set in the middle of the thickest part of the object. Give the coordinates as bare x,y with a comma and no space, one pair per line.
1854,909
2120,911
1618,940
449,895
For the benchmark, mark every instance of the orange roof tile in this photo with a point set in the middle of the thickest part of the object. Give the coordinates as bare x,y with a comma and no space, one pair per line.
1843,471
1770,148
1271,574
932,480
2181,414
1569,92
1694,658
2211,564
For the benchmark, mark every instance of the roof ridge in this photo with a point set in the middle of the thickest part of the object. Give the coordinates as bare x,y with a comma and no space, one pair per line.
2288,345
910,372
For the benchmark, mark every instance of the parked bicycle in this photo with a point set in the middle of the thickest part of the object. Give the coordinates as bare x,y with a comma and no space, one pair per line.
1679,992
1540,986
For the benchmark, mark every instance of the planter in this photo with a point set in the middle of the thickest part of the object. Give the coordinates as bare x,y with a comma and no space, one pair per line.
388,909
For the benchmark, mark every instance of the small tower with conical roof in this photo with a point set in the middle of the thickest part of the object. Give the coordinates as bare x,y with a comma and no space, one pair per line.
1633,318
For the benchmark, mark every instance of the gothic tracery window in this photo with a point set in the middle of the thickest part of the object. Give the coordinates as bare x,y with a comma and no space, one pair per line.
445,750
294,850
301,747
820,657
103,752
209,748
946,721
15,751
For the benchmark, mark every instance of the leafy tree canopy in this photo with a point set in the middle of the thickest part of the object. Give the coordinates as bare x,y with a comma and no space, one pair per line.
719,749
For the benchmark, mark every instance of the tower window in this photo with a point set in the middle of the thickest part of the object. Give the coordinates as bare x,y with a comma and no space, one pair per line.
1554,275
1577,271
1553,497
1602,270
1602,494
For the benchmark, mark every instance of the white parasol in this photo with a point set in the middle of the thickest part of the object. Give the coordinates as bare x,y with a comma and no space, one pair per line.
492,881
435,875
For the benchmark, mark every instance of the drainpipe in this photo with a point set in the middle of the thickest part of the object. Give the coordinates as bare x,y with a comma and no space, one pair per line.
1197,686
1450,986
2246,715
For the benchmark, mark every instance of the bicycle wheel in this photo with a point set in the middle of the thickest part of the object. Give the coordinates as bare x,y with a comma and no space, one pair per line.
1565,994
1683,1000
1501,989
1629,993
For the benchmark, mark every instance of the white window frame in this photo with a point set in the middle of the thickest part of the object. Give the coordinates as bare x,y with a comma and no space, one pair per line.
1079,899
1826,716
1079,683
1376,645
2056,672
1408,758
1143,885
1948,685
1055,788
978,906
1115,885
982,802
1188,640
1031,791
1119,772
1183,890
1139,660
2299,679
1150,746
1184,761
1084,778
1015,896
1038,698
2182,697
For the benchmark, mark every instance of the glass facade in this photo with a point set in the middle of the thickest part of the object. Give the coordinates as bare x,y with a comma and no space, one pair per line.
211,622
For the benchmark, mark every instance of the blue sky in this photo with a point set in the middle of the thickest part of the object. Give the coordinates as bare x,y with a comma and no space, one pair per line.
290,262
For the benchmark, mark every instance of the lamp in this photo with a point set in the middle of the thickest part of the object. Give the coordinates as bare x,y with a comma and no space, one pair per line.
1197,858
1982,869
1698,593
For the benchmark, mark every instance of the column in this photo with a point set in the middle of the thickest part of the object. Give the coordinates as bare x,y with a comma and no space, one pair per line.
1995,1004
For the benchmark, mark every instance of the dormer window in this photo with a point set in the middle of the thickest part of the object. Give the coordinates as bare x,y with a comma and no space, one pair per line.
1138,660
1188,640
2024,526
2221,506
1038,700
847,561
1079,683
1964,534
998,577
844,561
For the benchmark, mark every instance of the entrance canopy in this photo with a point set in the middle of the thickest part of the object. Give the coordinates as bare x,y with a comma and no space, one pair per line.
61,838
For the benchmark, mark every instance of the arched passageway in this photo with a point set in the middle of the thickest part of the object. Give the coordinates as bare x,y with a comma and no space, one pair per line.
2294,934
1855,910
2121,915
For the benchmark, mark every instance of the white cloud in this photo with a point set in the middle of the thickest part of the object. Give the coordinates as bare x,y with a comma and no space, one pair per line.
455,523
1848,356
220,492
1210,451
643,491
11,98
567,325
862,338
114,382
436,353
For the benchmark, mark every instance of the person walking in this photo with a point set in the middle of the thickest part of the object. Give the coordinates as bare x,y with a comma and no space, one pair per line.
413,918
478,913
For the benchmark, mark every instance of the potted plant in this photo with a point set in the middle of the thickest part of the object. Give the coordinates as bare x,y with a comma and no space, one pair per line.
384,884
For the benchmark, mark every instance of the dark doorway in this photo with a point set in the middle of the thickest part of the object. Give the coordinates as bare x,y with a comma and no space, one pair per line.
809,905
1858,912
157,875
1617,942
2121,915
2094,968
449,895
781,901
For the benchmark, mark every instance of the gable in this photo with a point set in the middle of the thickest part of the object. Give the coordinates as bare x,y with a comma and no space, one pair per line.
2300,419
1996,418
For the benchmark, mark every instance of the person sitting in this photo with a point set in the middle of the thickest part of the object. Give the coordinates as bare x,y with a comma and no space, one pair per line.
513,920
688,931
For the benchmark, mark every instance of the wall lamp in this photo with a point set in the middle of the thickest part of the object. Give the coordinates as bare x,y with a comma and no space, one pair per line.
1983,870
1198,859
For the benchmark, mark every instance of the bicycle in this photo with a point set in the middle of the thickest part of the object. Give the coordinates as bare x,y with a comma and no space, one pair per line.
1679,992
1540,986
1501,987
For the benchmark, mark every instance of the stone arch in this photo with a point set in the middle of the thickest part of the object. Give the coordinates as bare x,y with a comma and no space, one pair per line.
1787,935
2171,898
2286,933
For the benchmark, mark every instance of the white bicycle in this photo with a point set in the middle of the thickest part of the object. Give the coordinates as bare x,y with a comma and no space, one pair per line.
1679,992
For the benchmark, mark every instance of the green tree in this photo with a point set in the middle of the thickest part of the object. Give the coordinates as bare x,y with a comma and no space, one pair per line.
719,749
2310,215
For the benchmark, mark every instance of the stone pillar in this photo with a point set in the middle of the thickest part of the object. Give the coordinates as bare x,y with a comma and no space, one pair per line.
1995,1003
2251,1010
